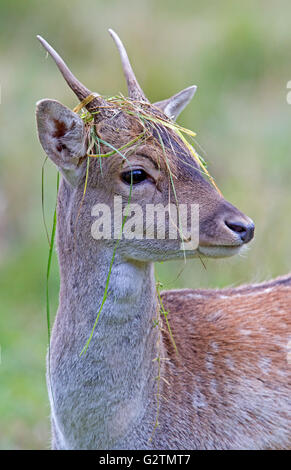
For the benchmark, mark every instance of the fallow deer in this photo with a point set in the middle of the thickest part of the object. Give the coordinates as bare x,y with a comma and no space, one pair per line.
226,384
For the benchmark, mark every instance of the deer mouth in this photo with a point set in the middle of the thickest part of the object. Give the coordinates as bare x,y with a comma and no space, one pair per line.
219,251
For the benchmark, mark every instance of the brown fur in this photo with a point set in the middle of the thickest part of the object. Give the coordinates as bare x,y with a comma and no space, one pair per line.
232,346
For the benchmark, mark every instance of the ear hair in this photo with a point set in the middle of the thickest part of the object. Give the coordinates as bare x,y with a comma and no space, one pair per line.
174,105
62,135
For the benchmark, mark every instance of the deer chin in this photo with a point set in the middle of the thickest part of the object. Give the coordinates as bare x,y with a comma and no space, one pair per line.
219,251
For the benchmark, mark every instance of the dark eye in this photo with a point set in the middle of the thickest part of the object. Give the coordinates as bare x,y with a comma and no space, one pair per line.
134,176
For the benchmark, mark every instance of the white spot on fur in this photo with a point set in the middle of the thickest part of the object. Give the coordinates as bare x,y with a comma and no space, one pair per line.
246,332
214,346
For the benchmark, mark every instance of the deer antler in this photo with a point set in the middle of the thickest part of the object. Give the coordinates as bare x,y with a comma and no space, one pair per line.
134,90
78,88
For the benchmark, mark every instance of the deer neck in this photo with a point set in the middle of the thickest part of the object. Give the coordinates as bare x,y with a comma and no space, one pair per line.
116,374
130,293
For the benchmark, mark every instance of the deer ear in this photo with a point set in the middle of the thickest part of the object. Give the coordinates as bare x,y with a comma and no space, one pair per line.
62,135
173,106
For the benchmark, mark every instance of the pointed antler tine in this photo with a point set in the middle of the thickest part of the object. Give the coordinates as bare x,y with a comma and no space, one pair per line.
78,88
134,90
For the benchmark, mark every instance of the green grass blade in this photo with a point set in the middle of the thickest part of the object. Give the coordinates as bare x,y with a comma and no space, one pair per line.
49,263
42,199
105,295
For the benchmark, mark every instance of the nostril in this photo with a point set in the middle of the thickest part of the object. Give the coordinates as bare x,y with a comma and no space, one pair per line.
239,228
245,231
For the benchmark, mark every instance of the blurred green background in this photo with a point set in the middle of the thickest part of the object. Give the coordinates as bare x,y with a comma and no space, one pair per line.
238,53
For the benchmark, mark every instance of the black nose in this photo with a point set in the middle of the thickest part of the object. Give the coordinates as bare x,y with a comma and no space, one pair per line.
244,230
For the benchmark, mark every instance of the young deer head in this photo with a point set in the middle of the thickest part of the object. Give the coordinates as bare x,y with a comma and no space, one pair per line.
227,386
223,229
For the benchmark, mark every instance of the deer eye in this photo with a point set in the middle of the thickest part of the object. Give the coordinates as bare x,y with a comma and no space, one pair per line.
134,176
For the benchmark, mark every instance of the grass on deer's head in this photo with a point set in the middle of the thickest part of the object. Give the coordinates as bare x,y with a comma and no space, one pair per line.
151,119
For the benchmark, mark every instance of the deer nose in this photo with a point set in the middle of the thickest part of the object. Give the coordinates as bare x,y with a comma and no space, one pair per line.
243,229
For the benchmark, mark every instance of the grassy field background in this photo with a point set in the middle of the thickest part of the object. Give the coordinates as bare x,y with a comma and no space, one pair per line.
238,53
